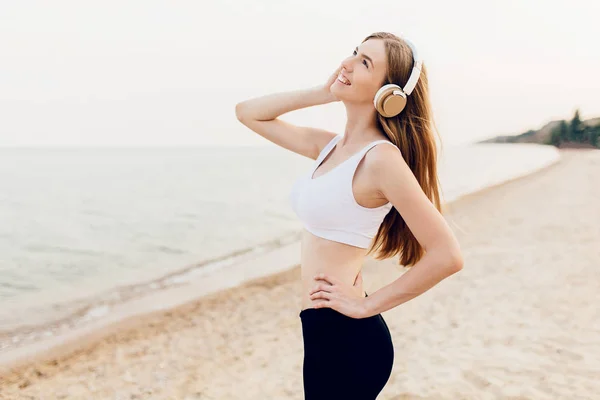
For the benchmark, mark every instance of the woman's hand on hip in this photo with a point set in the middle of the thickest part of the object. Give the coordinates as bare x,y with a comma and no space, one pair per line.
332,293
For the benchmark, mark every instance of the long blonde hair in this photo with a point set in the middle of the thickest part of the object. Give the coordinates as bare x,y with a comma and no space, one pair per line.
413,132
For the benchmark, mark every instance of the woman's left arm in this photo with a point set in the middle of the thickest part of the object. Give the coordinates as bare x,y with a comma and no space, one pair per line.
442,256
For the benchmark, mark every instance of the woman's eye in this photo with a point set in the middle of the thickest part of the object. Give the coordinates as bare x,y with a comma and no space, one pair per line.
364,61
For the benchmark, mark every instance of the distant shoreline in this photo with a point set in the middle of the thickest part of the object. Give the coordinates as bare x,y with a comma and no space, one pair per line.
573,134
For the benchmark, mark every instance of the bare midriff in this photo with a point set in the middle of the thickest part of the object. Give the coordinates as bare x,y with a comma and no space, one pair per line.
335,259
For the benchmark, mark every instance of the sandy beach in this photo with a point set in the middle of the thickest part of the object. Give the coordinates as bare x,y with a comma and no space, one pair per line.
520,321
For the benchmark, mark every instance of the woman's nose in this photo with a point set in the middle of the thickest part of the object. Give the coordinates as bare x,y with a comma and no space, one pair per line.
347,65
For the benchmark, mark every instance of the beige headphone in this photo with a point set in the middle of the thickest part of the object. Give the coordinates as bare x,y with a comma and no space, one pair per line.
390,99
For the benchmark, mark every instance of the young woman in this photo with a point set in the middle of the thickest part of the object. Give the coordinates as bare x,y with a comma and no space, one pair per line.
374,188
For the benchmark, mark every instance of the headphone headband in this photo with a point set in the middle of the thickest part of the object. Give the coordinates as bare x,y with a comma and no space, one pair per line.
390,99
416,70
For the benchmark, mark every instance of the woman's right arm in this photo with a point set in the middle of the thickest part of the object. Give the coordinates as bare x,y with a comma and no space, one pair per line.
260,115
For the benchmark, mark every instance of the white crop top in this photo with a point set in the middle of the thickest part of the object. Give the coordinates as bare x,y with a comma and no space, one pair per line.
326,204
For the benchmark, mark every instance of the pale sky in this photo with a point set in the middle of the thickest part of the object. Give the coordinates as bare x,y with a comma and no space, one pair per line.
158,73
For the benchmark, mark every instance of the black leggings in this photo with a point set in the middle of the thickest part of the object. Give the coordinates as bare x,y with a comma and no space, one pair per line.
344,357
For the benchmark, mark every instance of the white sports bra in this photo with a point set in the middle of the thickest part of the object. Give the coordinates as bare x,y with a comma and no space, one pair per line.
326,204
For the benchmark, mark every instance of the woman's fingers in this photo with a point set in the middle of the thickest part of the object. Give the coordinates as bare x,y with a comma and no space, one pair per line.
321,295
333,77
329,279
321,287
327,303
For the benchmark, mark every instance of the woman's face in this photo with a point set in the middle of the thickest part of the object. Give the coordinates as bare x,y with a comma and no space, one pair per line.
365,70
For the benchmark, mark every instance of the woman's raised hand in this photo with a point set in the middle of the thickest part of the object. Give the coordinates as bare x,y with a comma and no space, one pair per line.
329,83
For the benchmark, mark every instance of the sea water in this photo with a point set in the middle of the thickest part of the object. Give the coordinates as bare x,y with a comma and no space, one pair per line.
84,224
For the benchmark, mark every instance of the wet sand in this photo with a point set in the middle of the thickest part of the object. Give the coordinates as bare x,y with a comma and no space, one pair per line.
520,321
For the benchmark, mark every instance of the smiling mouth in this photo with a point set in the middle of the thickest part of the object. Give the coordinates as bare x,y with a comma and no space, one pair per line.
343,80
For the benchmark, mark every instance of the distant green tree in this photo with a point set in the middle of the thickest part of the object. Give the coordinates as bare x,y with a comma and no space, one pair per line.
577,128
594,135
587,134
555,138
568,134
564,131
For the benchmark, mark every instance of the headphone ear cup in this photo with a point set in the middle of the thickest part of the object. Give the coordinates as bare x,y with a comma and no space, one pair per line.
387,103
394,104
